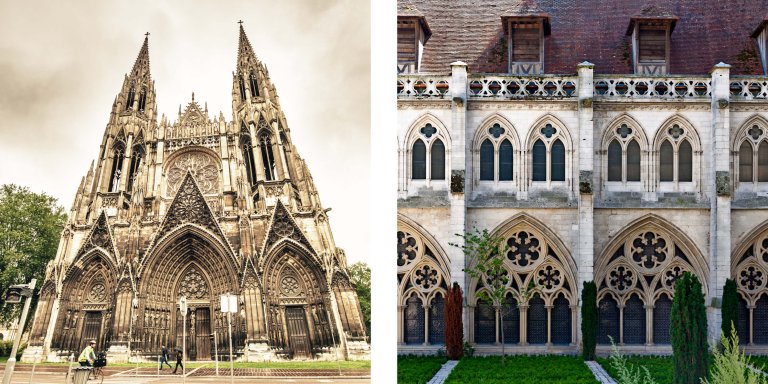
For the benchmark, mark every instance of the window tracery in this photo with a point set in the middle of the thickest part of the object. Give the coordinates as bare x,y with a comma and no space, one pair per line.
203,166
548,154
676,154
496,153
427,153
623,160
635,282
129,100
254,85
118,153
137,155
750,271
752,155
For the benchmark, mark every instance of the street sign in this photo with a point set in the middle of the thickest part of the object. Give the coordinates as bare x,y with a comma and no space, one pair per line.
183,304
228,303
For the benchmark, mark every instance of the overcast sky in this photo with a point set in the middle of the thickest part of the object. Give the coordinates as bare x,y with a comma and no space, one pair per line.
62,64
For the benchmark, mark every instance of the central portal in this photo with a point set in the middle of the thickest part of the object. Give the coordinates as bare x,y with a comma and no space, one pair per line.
297,331
202,327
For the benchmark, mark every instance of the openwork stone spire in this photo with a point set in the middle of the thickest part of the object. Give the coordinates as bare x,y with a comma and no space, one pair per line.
244,50
141,66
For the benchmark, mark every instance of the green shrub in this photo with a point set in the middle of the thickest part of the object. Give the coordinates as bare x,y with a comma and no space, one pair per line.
689,331
731,366
625,373
730,310
589,320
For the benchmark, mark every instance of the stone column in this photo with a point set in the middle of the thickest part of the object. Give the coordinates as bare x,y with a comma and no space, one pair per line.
719,190
584,146
460,161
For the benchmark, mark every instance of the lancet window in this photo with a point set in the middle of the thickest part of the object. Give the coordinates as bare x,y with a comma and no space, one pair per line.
422,283
540,289
254,85
637,285
129,100
624,155
750,271
142,99
137,154
247,148
118,152
496,154
548,155
753,154
242,87
676,155
267,156
428,155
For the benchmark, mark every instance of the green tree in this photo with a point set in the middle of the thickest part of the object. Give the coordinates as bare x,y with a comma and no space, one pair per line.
360,277
485,254
589,319
688,325
730,310
30,224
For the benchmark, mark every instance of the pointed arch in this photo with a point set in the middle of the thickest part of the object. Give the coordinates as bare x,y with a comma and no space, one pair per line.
494,149
742,132
563,131
609,133
510,132
412,133
749,146
690,132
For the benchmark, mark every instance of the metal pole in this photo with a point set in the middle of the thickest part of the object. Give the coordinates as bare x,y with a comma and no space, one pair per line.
184,349
231,362
216,351
34,362
11,364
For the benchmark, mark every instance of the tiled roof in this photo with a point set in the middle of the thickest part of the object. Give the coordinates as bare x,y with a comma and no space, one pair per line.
706,33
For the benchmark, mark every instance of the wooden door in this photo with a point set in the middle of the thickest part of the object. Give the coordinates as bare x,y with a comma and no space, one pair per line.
203,333
298,335
92,328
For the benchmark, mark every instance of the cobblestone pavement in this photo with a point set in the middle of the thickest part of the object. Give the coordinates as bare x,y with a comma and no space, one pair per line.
444,371
600,374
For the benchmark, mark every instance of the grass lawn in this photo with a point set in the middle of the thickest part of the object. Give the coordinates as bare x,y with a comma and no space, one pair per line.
659,366
417,369
224,364
759,362
523,370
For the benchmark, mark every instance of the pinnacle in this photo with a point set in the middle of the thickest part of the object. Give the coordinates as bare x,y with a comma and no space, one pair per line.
244,49
141,66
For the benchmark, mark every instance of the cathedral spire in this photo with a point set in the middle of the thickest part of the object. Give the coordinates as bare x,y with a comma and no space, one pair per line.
244,49
141,66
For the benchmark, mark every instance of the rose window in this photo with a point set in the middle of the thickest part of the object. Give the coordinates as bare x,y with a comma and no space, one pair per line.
283,228
649,250
621,278
524,249
502,278
671,275
426,277
98,293
290,286
202,166
750,278
193,286
549,277
406,248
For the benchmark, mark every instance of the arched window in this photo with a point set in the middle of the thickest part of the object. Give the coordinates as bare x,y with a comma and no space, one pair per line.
623,155
267,157
676,163
511,327
607,320
561,321
129,100
666,157
762,162
250,165
414,321
242,87
539,161
254,85
437,156
437,320
685,162
633,161
753,155
537,321
614,161
634,321
548,158
137,154
505,160
750,273
118,153
486,160
142,99
662,310
745,162
419,161
760,321
485,323
744,324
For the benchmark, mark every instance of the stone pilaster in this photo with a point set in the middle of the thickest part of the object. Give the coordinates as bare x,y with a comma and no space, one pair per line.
584,147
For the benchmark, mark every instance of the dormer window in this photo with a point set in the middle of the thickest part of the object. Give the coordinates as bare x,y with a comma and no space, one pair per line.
650,31
526,25
412,33
761,35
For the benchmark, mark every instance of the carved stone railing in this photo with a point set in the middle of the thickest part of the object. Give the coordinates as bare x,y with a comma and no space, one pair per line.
749,88
522,87
423,86
657,87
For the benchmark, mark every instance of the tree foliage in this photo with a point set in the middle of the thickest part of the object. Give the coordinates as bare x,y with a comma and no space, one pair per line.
732,366
30,224
360,277
589,320
730,310
689,331
454,327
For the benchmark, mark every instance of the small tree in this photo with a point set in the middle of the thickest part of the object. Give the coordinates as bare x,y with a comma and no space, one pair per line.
589,320
730,310
454,328
485,254
689,331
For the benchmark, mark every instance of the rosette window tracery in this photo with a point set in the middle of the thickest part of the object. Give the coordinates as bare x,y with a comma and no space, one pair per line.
750,271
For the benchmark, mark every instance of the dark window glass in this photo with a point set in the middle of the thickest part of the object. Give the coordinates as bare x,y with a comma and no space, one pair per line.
419,161
685,165
661,312
129,101
250,166
666,156
437,157
254,85
136,156
762,162
561,321
634,321
511,324
743,320
267,157
537,321
760,321
117,167
614,161
558,161
242,88
607,320
485,323
437,320
633,161
505,160
745,162
142,99
414,321
539,161
486,160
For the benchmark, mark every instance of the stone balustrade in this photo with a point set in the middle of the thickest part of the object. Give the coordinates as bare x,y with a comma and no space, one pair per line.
749,88
521,87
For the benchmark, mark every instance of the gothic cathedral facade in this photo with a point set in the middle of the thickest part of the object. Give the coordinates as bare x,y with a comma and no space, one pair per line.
198,207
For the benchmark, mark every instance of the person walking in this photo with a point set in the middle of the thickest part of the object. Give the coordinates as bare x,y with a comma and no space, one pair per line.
164,358
88,356
179,356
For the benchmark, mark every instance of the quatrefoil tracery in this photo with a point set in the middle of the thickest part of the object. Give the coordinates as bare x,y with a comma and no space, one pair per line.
649,251
525,250
621,278
426,277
